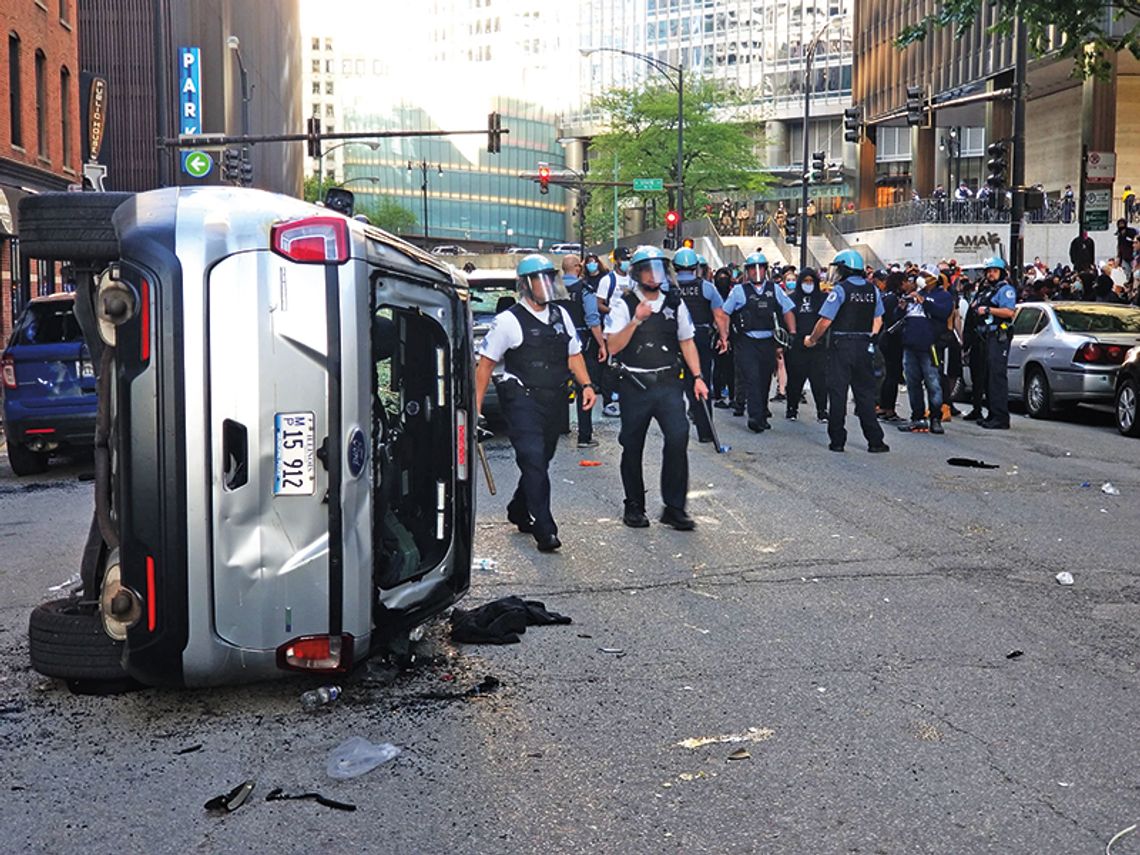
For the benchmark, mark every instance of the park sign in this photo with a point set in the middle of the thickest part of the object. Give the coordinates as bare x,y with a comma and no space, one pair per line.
648,185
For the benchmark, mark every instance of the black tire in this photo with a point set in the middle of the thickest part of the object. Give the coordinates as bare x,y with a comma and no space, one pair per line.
1038,396
66,640
24,461
70,226
1125,406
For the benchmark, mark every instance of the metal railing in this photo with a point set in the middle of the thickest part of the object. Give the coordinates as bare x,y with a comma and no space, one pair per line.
951,211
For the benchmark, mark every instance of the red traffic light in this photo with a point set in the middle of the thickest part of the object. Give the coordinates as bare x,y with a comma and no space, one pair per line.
543,178
544,173
671,219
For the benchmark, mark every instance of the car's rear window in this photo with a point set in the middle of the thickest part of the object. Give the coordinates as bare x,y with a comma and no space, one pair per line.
48,323
491,295
1099,319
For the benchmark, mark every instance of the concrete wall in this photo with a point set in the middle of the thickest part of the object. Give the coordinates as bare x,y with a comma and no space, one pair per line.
972,243
1053,146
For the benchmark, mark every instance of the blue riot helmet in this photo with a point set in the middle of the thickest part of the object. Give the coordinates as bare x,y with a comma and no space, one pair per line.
756,267
538,280
994,262
702,261
650,269
685,259
847,263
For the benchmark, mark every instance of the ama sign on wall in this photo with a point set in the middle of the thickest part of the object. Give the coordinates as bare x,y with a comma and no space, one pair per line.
189,94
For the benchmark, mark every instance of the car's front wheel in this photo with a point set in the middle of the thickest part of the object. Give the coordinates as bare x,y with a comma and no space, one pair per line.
66,640
24,461
1127,421
1038,396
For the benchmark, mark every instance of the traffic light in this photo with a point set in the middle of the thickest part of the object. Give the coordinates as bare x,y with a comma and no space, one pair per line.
543,178
672,220
997,165
494,133
314,133
818,165
853,124
245,169
914,106
687,243
790,229
231,165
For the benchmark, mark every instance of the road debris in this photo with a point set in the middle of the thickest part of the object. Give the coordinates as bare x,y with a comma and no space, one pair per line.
1109,489
356,756
72,581
279,795
189,749
740,754
589,463
972,464
1064,578
1116,837
484,564
1015,654
232,800
613,651
753,734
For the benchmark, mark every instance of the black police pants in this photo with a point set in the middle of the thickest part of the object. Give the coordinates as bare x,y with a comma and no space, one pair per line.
533,422
698,412
979,376
594,369
664,402
808,364
757,360
997,380
850,365
893,369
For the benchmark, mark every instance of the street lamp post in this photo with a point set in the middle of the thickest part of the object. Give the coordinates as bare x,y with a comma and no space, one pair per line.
321,160
679,85
234,44
423,189
806,172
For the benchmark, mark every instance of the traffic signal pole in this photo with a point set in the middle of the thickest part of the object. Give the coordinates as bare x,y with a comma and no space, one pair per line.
1017,211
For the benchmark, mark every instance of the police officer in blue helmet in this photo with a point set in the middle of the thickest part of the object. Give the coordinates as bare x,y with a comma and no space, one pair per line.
535,341
762,305
996,306
853,312
701,299
650,335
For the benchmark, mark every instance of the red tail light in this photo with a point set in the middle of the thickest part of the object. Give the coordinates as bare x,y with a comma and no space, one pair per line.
39,431
8,368
316,653
461,445
144,322
314,240
151,605
1095,353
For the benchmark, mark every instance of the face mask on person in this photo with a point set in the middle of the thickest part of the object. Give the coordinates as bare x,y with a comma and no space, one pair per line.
807,286
623,266
591,267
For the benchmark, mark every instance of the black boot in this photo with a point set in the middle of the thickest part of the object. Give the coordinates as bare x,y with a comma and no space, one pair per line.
634,515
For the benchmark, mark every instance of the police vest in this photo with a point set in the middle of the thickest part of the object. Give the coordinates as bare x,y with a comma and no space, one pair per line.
759,311
540,361
576,291
807,308
989,298
857,314
654,343
692,291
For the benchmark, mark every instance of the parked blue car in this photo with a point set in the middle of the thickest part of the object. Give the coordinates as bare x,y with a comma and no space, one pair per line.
48,384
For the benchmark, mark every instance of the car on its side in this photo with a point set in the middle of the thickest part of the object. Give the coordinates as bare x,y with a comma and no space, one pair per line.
48,385
1068,353
1128,394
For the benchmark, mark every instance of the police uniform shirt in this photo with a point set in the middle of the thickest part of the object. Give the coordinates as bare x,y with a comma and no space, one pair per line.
838,296
708,291
1005,298
737,299
589,301
506,334
618,318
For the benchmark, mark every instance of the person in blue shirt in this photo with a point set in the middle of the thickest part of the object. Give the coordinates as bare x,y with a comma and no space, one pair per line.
925,312
701,299
853,312
761,304
995,310
582,305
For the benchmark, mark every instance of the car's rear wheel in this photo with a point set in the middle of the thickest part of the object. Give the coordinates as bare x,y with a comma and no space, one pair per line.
1038,395
24,461
70,226
66,640
1127,419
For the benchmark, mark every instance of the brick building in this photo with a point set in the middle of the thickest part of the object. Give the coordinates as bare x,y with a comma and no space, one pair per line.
39,132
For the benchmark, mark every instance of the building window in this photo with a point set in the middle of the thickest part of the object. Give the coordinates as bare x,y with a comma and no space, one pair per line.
316,43
65,113
329,110
329,87
15,96
316,87
41,104
316,66
64,17
328,44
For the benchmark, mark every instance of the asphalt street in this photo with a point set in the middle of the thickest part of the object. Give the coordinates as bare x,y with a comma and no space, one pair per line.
882,635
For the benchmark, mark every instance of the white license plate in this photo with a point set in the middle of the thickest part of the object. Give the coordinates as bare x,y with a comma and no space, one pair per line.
294,469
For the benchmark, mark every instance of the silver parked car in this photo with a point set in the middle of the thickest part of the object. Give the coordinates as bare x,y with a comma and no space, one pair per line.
283,477
1068,353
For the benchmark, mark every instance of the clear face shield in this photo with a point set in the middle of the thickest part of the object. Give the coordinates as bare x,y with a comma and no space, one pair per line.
543,287
653,274
756,273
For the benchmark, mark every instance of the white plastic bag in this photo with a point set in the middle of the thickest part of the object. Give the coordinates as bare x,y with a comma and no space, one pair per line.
356,755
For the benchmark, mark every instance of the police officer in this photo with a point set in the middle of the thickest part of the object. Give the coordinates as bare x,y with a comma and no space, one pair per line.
806,364
534,340
853,311
995,311
701,299
582,304
761,303
649,333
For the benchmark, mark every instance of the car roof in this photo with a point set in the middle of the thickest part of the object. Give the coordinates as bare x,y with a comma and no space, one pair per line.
1084,305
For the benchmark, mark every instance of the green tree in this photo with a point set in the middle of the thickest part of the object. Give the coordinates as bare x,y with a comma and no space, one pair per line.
1091,31
719,148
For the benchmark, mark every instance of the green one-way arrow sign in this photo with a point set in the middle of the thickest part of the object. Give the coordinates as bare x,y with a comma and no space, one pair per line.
197,164
647,185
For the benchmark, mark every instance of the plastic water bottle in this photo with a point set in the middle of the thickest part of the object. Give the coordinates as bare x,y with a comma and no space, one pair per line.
314,698
484,564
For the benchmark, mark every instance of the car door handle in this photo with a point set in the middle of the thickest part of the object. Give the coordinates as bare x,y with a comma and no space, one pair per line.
235,454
